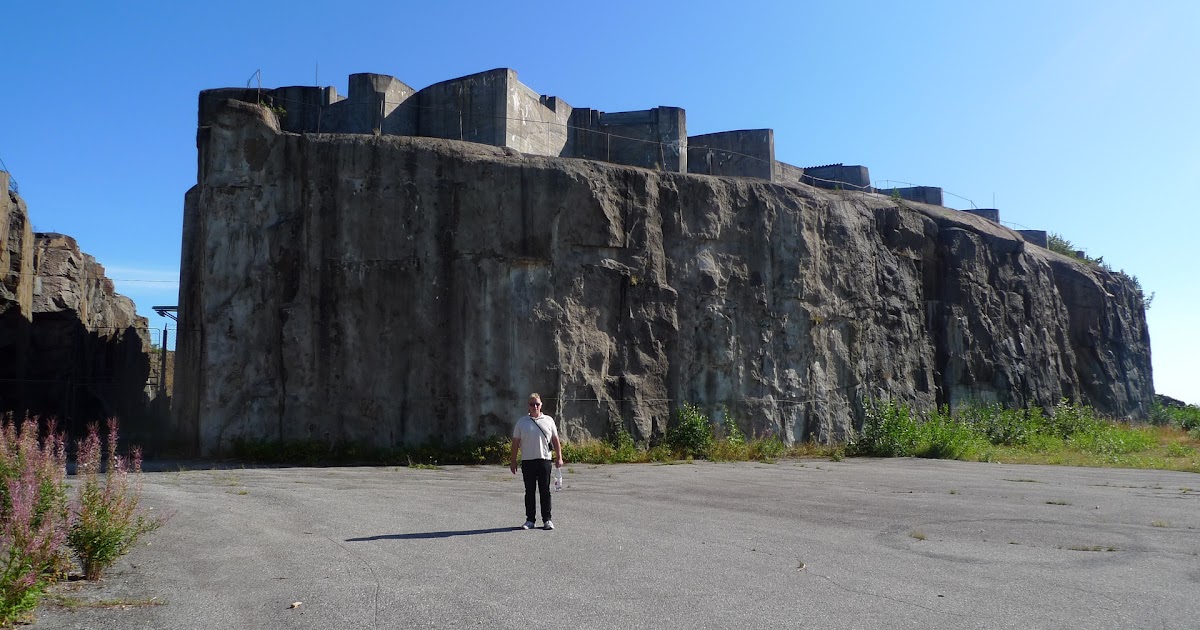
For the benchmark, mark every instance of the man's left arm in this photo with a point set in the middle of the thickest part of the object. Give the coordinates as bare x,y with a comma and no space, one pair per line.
557,444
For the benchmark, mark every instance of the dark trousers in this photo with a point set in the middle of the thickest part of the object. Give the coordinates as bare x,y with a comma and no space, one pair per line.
536,473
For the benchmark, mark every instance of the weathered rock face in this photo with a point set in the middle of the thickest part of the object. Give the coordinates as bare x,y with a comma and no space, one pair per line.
16,285
90,350
392,290
72,347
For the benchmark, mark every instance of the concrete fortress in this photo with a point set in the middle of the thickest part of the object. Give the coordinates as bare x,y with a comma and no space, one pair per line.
406,265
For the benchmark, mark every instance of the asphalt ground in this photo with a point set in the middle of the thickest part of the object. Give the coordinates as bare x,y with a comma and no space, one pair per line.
862,543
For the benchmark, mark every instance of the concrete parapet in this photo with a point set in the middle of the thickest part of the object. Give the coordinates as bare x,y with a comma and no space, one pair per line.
649,138
301,108
490,107
534,123
837,176
1037,237
377,103
212,101
472,108
784,173
991,214
744,153
922,194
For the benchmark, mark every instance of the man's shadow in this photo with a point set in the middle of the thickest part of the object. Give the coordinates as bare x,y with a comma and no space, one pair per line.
419,535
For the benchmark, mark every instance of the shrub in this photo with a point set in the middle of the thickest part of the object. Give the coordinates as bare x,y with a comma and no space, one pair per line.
941,436
1160,415
33,514
766,448
730,431
108,522
1000,426
1068,419
1187,418
625,450
692,435
1108,439
889,430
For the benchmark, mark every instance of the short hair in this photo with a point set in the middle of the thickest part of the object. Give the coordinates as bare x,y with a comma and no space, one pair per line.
535,395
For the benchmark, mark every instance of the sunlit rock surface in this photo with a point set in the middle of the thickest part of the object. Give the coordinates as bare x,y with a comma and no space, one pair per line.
393,290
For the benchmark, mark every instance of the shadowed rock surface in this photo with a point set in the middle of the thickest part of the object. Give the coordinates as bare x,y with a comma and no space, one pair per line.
390,290
72,347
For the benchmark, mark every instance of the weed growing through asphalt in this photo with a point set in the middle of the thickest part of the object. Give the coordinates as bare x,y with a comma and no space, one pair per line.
918,534
107,519
75,603
1159,524
40,526
33,515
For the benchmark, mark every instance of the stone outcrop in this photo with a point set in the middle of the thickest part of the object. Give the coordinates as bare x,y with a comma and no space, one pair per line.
16,284
392,290
73,348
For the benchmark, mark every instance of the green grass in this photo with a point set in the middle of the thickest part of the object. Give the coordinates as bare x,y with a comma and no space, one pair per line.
1068,434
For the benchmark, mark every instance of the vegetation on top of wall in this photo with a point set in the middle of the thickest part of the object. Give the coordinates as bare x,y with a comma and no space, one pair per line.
1056,243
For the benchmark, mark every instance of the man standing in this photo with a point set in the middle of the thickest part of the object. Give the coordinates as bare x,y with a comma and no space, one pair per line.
533,437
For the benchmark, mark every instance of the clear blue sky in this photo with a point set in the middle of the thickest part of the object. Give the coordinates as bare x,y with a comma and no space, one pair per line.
1075,117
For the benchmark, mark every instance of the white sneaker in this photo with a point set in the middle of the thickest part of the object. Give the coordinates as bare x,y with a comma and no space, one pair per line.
548,525
527,525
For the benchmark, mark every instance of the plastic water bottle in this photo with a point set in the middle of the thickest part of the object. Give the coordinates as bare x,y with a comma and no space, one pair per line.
558,483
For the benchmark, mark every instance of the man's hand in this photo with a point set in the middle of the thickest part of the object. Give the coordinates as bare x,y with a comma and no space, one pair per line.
513,467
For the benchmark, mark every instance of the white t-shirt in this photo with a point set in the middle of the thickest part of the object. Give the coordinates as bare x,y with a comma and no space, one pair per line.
534,441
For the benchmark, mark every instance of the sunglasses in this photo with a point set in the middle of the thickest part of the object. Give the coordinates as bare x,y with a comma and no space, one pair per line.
535,404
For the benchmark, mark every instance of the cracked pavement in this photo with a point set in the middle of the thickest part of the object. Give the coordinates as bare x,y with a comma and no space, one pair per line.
861,543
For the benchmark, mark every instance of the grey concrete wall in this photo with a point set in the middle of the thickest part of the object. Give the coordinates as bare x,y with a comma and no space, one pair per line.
1037,237
743,153
472,108
923,194
534,123
991,214
650,138
837,176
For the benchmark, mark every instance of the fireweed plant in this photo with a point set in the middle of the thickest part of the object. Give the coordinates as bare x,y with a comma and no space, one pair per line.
33,514
107,520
